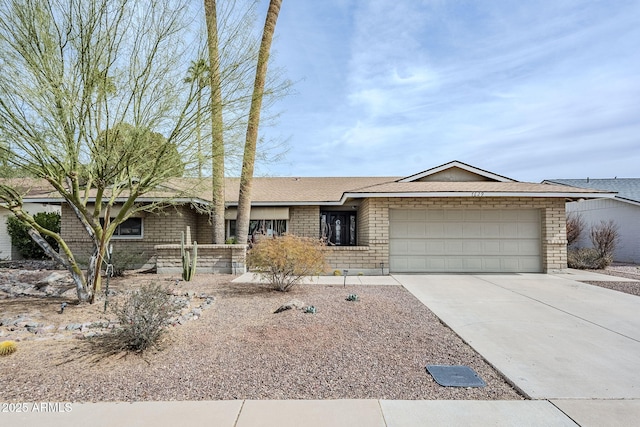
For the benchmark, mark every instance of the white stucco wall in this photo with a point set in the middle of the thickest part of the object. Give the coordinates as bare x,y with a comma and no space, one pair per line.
625,215
5,239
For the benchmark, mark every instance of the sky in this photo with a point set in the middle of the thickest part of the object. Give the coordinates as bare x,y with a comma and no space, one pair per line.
531,90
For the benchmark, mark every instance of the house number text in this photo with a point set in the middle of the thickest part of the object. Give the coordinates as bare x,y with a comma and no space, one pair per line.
477,193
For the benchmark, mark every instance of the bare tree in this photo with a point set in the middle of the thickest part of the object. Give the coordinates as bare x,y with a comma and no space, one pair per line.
92,102
575,226
248,162
604,237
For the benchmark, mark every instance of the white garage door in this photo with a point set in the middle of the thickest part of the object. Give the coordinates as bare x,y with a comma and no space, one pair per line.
440,240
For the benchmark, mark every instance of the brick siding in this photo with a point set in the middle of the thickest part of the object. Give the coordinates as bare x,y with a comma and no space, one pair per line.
371,256
158,228
226,259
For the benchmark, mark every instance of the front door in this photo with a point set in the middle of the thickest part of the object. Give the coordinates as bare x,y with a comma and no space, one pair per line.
338,228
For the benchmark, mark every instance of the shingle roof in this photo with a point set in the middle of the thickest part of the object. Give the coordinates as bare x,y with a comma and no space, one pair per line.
334,190
471,186
627,188
29,187
327,189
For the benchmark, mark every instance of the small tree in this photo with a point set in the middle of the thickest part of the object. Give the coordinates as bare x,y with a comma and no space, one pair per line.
23,242
284,261
604,237
575,226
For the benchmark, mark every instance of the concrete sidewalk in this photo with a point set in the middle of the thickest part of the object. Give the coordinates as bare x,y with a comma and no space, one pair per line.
328,280
295,413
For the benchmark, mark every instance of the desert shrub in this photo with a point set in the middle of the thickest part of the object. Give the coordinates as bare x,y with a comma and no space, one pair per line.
587,259
575,226
124,260
284,261
143,317
604,237
23,242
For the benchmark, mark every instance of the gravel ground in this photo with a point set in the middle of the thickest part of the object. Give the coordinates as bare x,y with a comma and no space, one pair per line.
375,348
622,270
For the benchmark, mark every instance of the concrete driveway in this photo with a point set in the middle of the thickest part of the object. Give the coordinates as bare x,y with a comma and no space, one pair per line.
553,337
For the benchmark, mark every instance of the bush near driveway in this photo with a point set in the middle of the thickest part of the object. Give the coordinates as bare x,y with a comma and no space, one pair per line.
283,261
586,259
575,226
604,237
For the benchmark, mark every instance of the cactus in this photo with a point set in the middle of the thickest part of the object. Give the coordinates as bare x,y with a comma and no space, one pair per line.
188,264
7,347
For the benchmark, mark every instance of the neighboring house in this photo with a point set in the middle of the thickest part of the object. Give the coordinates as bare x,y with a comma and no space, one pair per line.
35,188
624,209
451,218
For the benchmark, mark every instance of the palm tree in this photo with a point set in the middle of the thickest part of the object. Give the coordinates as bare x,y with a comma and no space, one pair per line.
217,133
198,74
249,157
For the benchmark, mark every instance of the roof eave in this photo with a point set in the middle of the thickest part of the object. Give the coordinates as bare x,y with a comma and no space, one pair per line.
481,194
461,165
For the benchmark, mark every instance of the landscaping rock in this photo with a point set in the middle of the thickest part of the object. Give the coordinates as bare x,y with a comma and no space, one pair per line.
73,326
54,278
294,303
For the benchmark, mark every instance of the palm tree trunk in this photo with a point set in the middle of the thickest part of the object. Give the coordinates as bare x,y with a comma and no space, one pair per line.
249,157
217,137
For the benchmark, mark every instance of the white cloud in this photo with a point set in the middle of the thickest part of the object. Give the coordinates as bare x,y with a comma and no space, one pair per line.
536,89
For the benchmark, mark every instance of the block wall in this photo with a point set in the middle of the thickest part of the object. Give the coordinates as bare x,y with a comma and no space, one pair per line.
224,259
304,221
158,228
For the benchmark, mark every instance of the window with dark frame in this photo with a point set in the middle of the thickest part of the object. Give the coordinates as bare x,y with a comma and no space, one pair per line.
131,227
338,228
261,228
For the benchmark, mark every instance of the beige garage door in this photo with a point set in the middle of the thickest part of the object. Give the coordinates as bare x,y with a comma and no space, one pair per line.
440,240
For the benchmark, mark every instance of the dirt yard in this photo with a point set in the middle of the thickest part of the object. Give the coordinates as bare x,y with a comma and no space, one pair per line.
235,347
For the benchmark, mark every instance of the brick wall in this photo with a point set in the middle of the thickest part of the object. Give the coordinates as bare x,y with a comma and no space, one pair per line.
304,221
204,229
226,259
158,228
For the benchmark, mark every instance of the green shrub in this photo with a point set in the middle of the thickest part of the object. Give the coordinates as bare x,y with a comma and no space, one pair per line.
143,317
284,261
124,260
587,259
23,242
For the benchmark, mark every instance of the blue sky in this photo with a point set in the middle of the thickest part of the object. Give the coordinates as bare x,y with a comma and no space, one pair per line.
526,89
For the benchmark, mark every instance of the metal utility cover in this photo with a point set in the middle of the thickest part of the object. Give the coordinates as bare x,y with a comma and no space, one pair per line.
455,376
